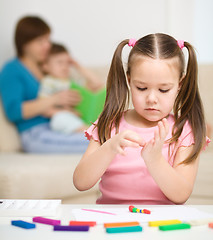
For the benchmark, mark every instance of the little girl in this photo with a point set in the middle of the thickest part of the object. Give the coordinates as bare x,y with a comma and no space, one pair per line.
147,155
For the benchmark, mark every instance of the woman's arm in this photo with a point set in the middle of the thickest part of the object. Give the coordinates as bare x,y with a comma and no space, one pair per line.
46,106
97,158
36,107
176,181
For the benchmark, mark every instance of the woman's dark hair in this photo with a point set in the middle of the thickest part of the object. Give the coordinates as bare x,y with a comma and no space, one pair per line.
188,104
27,29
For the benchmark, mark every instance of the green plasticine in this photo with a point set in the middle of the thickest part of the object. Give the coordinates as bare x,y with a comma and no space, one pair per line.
124,229
175,226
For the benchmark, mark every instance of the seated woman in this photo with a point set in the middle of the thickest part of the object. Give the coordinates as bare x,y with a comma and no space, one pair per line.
19,86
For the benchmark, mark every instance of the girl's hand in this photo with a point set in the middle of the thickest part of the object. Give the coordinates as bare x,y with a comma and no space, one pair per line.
66,98
152,151
127,138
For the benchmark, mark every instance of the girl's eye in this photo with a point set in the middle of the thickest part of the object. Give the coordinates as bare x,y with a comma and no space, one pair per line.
141,89
163,90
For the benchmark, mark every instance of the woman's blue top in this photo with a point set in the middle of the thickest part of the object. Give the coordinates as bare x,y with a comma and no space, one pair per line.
17,85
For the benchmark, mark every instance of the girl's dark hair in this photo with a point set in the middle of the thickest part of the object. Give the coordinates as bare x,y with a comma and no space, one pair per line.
28,29
188,104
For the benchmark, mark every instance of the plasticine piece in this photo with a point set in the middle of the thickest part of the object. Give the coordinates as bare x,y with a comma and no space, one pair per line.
23,224
131,207
71,228
175,226
124,229
163,222
121,224
82,223
46,221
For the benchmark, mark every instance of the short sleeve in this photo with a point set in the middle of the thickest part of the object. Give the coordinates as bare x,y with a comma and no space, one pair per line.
207,143
92,132
187,137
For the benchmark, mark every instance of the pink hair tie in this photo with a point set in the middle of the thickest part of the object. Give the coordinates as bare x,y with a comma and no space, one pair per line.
180,44
132,42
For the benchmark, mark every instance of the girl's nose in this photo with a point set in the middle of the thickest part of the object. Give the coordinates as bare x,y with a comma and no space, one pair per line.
151,97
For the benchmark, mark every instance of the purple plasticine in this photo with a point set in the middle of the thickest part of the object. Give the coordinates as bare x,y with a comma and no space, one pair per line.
71,228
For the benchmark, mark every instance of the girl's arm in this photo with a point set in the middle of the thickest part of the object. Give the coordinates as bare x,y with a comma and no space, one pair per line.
176,181
97,158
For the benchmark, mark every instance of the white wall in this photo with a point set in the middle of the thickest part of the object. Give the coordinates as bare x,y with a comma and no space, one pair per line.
203,33
91,29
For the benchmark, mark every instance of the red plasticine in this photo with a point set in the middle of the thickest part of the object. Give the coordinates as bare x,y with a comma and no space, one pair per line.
82,223
130,208
146,211
211,225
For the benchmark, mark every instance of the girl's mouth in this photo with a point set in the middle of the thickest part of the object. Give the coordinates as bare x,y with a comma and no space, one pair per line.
151,109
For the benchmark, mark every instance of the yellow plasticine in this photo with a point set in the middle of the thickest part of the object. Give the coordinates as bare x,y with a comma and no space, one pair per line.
163,222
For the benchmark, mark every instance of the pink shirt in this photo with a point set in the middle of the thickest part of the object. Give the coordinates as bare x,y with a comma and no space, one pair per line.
127,180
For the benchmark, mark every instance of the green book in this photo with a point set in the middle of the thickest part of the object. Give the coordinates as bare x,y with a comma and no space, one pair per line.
91,104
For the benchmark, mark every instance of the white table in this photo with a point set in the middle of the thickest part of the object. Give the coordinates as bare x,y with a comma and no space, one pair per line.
9,232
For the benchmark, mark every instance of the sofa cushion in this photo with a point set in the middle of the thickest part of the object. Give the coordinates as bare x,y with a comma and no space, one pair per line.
9,138
203,190
39,176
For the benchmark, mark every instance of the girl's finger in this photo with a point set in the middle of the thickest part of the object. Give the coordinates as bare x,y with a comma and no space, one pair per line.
134,137
162,131
166,125
127,143
121,151
156,135
148,145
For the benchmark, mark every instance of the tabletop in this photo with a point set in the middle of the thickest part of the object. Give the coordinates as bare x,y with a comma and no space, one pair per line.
7,231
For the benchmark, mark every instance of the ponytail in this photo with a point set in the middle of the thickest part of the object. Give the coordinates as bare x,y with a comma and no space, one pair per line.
117,96
188,106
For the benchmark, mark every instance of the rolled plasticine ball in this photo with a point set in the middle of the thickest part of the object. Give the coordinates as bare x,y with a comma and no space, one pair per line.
130,208
134,209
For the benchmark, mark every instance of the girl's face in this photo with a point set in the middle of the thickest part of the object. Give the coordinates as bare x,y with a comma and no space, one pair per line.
154,85
38,48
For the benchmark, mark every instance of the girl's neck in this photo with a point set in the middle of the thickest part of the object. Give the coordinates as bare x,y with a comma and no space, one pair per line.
133,118
32,66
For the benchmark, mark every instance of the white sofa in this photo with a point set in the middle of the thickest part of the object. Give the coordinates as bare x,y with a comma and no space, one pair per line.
39,176
36,176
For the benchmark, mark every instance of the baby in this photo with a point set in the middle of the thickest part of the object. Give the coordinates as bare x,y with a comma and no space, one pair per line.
64,120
